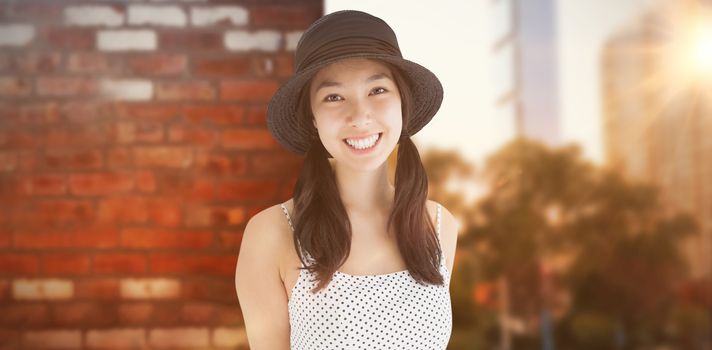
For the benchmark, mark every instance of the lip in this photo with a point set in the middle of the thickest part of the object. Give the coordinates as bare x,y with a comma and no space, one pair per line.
367,150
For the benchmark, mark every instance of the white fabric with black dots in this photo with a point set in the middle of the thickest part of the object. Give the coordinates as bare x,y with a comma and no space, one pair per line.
388,311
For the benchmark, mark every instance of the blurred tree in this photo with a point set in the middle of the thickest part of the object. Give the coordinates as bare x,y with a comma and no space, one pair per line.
556,233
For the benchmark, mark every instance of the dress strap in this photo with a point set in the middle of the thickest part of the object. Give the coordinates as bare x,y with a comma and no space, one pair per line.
437,219
289,220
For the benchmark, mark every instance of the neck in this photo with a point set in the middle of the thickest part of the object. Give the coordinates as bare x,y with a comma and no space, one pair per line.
364,191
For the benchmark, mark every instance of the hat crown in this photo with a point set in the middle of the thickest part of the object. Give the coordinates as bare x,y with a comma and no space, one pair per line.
345,33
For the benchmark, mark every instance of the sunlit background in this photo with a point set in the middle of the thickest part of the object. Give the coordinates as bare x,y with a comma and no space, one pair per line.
573,146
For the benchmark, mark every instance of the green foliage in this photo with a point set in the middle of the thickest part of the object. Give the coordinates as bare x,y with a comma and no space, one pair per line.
612,249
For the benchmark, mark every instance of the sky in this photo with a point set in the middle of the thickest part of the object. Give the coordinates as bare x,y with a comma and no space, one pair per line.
453,38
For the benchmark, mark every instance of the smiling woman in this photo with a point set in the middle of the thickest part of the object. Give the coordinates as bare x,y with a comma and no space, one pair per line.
352,261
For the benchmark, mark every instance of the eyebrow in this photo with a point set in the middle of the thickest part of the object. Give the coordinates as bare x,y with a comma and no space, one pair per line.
329,83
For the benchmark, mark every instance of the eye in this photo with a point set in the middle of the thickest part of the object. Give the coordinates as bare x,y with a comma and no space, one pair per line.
332,98
379,90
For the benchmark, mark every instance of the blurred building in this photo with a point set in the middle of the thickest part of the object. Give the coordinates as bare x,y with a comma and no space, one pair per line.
658,118
525,57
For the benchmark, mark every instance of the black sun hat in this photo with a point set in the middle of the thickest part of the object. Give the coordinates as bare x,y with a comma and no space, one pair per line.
336,36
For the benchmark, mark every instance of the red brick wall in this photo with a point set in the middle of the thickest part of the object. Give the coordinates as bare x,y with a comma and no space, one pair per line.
133,148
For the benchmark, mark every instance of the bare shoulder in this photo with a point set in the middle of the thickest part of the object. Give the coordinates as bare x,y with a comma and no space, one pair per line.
258,281
267,231
449,228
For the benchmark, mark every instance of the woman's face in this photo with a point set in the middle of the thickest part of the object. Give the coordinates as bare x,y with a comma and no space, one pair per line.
356,101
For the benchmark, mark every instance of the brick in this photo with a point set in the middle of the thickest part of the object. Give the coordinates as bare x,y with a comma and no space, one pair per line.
248,139
77,314
191,41
118,158
280,16
118,338
97,288
91,63
86,15
144,132
208,216
257,116
215,265
197,313
24,315
159,112
229,316
192,135
72,159
261,40
218,15
43,185
52,339
145,181
5,232
222,66
246,189
212,164
54,212
15,86
126,40
17,264
229,337
185,91
42,289
65,264
248,90
32,113
85,237
283,65
66,86
158,64
5,62
192,189
16,34
277,164
163,156
179,337
145,238
10,339
218,290
229,240
166,212
136,313
150,288
37,12
156,15
126,89
84,112
291,40
38,62
119,263
214,114
100,184
127,210
79,135
69,38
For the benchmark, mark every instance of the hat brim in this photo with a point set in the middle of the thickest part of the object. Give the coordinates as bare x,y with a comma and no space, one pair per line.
282,120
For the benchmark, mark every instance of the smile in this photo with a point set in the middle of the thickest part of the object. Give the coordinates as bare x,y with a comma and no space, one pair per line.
363,145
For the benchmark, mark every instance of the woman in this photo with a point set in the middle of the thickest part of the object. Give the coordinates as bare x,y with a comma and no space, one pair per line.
351,261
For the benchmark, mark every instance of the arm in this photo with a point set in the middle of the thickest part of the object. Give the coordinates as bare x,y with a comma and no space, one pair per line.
260,291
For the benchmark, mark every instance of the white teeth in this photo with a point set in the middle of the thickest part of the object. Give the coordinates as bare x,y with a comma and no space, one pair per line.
363,143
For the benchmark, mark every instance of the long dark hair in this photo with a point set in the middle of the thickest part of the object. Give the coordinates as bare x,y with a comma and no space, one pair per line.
322,226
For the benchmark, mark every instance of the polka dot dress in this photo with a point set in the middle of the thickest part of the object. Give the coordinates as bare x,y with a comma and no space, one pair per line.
388,311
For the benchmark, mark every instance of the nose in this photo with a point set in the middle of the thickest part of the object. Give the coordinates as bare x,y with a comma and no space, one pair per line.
360,114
